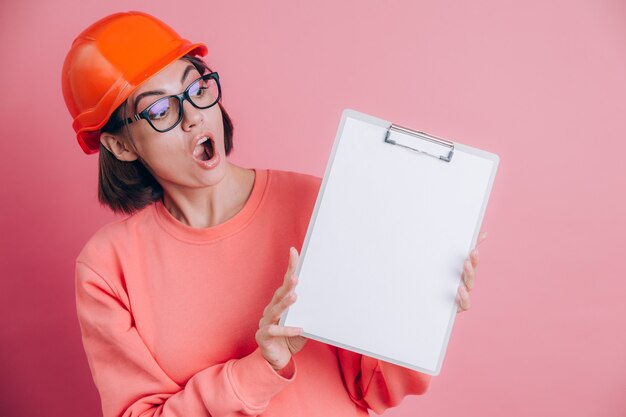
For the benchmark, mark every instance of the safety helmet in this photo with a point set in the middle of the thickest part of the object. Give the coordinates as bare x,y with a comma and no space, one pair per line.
109,60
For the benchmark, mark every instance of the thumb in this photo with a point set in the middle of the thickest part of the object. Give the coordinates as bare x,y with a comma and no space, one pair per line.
293,261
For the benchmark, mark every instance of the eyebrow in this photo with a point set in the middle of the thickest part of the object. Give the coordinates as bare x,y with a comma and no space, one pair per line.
186,72
147,94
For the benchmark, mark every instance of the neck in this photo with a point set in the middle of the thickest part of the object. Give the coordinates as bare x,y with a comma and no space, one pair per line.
213,205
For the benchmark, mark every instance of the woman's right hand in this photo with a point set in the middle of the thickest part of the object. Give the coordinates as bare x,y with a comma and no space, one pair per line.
278,343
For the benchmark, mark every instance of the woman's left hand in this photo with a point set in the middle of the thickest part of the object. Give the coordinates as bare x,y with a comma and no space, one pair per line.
467,283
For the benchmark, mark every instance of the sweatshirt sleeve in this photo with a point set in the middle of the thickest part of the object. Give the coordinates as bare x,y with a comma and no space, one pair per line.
131,382
378,385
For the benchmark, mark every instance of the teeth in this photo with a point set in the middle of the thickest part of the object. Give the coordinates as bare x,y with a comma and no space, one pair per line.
204,139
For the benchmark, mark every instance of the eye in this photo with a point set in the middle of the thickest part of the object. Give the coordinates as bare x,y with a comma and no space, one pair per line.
198,89
159,110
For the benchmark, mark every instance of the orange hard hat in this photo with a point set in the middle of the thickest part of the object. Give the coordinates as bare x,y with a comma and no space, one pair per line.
109,60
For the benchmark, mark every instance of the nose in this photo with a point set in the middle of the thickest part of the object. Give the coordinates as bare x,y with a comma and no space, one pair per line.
191,116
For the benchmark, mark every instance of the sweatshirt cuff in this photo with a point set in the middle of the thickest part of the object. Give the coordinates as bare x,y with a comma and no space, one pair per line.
254,380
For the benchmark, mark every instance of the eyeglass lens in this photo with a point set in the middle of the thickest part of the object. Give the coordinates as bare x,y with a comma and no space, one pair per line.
164,113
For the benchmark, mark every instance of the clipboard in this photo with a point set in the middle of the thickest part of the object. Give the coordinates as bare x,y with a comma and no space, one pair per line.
397,214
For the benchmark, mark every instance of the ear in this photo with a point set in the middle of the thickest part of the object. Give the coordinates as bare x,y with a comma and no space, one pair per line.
118,147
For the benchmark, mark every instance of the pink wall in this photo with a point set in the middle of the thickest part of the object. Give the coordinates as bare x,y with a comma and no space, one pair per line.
541,83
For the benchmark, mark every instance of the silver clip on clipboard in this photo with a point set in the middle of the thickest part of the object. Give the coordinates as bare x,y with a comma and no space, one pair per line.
430,145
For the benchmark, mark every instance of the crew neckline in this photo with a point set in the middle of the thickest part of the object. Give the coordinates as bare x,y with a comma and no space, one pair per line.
240,220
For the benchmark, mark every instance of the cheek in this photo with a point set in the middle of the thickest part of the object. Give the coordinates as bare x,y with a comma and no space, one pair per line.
218,122
159,152
164,165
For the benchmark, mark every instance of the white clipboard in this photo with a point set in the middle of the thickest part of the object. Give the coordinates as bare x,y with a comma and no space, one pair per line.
397,214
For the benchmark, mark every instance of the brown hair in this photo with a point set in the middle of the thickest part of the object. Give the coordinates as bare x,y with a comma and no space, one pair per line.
126,187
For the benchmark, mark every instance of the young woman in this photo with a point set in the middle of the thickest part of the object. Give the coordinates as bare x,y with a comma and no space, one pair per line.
179,303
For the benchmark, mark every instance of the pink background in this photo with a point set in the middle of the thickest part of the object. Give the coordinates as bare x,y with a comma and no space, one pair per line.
540,83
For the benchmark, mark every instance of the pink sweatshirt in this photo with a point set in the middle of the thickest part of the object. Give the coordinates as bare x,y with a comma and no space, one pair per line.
168,315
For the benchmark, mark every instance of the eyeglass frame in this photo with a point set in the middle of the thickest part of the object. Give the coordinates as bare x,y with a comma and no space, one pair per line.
181,98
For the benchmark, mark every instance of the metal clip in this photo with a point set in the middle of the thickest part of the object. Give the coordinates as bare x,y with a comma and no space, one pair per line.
436,147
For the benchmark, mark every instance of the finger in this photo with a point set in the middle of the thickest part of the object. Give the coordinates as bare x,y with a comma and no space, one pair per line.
474,257
275,330
474,254
288,285
266,333
277,311
463,299
274,310
274,313
279,295
481,237
293,262
288,281
468,275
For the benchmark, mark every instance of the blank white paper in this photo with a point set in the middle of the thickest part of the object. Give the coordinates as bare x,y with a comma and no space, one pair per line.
384,253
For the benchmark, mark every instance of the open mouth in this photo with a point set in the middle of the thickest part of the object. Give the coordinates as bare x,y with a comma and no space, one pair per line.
205,149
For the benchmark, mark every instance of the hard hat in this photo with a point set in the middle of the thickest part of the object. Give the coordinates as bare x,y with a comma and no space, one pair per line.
109,60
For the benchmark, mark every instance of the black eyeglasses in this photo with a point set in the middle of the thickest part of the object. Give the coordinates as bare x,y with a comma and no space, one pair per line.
167,112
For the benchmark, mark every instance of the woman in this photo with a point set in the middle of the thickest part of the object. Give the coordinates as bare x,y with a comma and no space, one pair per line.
179,303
